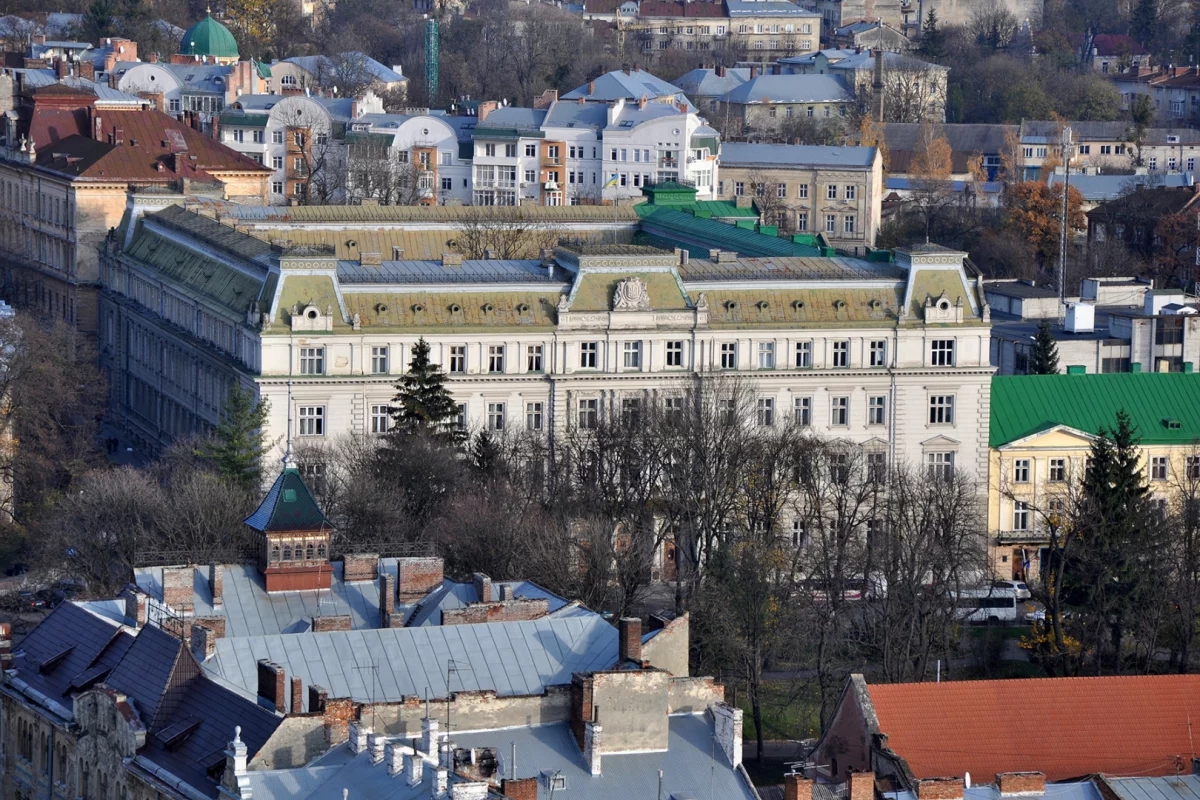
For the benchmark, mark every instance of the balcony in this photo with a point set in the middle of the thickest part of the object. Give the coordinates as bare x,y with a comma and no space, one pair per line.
1036,536
551,161
668,163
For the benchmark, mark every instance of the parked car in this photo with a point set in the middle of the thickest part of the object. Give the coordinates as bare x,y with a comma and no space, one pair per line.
1019,587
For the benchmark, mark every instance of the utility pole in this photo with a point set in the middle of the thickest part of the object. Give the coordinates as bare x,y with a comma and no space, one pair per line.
1064,224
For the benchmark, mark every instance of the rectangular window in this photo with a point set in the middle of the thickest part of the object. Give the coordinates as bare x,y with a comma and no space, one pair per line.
379,360
729,355
802,221
633,355
1020,470
851,192
674,354
496,358
877,410
1191,468
495,416
458,359
460,417
276,162
841,354
673,408
533,358
831,192
765,411
839,411
802,191
781,191
533,416
277,137
510,151
848,223
589,414
941,409
530,150
381,419
1020,516
1058,470
766,355
876,471
879,353
588,352
831,223
312,360
940,465
312,420
803,355
739,188
941,353
802,408
1158,468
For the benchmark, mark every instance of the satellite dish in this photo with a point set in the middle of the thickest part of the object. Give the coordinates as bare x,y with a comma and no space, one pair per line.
967,780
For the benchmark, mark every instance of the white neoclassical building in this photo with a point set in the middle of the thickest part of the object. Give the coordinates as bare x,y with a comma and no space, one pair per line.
891,355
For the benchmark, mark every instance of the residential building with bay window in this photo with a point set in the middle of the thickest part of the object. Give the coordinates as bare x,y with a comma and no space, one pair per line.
1041,433
889,354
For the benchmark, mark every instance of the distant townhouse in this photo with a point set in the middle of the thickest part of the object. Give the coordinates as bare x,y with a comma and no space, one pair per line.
705,86
1110,146
765,103
914,90
323,74
1137,219
1111,53
967,142
421,151
836,191
66,161
1096,189
675,24
1041,434
773,29
871,34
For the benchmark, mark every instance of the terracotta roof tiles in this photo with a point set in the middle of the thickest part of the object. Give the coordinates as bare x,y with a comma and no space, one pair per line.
1064,727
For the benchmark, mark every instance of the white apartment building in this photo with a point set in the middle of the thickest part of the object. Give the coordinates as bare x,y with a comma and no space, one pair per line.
578,152
890,355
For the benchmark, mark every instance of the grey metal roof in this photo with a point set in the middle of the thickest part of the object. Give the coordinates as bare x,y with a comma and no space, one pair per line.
1117,131
631,115
511,658
471,271
831,53
453,594
746,8
1176,787
791,89
1018,289
1099,188
1080,790
789,268
866,61
737,154
250,611
618,85
510,117
707,82
105,94
576,115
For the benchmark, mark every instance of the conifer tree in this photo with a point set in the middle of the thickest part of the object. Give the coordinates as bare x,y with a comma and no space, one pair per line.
235,450
422,404
933,40
1043,359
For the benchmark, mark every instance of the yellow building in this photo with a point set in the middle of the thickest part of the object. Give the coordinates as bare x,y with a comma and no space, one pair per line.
1042,430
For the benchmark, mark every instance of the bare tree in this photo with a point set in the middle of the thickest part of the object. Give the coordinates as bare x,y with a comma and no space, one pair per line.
504,232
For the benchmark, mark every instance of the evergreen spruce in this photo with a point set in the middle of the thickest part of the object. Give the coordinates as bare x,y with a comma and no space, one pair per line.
235,450
422,404
933,40
1043,360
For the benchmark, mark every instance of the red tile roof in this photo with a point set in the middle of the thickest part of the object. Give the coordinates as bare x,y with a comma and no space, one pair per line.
1111,44
670,8
1064,727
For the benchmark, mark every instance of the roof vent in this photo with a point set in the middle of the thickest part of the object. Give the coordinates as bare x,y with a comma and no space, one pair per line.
730,305
1172,424
798,304
455,308
522,308
417,308
488,308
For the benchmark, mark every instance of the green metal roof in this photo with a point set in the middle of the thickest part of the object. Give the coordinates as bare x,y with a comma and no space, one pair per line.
685,230
208,38
288,506
1023,405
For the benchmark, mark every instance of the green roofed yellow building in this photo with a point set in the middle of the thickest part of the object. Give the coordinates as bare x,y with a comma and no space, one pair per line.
1042,429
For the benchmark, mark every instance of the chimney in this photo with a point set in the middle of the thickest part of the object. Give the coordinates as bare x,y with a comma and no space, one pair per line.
297,697
519,788
414,765
862,786
452,259
271,684
317,698
721,71
940,789
591,741
135,606
418,577
61,68
486,107
1015,784
359,731
215,583
877,85
154,58
797,787
441,782
429,734
387,599
393,756
87,70
203,642
629,639
506,592
753,73
625,68
483,587
375,744
5,645
591,88
39,38
728,728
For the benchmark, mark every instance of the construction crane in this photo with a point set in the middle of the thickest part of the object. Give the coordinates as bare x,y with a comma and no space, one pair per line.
431,60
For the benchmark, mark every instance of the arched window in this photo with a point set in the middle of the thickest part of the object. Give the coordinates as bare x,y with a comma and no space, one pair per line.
308,553
321,550
287,552
274,552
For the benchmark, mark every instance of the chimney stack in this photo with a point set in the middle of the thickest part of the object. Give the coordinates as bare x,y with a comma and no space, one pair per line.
387,599
1012,784
591,741
753,73
297,697
728,730
629,639
203,642
483,587
797,787
862,786
940,789
272,684
215,585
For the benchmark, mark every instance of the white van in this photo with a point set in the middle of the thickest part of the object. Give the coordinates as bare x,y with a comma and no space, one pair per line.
987,604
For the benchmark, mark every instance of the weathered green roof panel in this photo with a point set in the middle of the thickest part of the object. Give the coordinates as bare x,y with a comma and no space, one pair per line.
1026,404
206,276
684,229
594,291
288,506
300,290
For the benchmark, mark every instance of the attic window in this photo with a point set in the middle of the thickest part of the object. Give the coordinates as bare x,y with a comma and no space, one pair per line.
522,308
289,495
175,735
88,678
488,308
49,664
455,308
944,305
839,304
763,305
351,243
797,304
418,308
312,313
380,308
730,305
1172,424
214,763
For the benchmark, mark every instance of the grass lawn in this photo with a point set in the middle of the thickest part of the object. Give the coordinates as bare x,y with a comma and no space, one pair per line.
791,710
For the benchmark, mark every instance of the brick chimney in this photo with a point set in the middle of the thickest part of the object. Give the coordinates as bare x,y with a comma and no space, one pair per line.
753,73
297,706
203,642
61,68
1012,784
135,605
418,577
591,88
486,107
177,582
483,587
387,599
862,786
940,789
5,645
797,787
629,639
216,585
272,684
519,788
87,70
317,697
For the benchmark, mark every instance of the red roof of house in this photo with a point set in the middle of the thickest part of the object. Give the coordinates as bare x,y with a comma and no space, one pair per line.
1064,727
1111,44
671,8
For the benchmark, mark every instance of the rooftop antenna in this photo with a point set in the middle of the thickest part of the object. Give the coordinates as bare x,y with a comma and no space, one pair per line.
374,669
287,452
451,667
512,762
1064,224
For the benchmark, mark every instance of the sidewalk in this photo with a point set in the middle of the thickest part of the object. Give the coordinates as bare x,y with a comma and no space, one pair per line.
126,455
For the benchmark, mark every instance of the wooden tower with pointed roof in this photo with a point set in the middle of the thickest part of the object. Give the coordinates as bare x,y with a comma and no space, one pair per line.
293,536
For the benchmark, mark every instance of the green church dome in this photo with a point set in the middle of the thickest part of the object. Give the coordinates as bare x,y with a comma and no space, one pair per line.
208,38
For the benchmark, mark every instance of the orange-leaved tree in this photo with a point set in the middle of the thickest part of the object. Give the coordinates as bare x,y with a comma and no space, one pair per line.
1033,210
